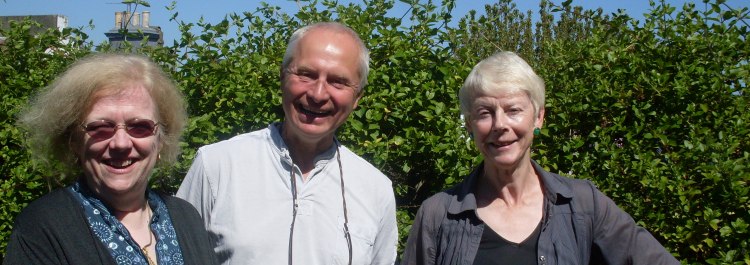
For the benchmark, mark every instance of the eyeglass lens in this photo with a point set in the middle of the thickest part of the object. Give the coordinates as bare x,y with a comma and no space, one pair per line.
137,128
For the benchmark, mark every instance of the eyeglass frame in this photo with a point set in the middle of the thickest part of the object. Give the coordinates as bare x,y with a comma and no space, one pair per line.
124,126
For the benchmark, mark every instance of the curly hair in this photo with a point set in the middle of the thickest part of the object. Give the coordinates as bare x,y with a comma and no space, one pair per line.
54,116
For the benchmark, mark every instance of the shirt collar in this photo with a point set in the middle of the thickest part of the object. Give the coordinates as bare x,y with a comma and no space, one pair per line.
464,199
158,206
283,150
555,190
463,194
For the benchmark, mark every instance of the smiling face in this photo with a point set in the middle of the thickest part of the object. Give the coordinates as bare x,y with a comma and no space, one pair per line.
502,124
319,90
120,165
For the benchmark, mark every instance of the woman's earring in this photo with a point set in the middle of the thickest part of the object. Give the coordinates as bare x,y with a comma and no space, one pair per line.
537,131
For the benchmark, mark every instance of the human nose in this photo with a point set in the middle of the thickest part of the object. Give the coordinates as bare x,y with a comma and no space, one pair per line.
121,139
500,122
319,91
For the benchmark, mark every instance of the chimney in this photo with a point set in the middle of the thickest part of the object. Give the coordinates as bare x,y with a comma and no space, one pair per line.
118,20
146,18
126,19
136,19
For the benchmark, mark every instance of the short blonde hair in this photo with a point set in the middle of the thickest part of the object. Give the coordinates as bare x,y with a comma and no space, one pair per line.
54,116
503,71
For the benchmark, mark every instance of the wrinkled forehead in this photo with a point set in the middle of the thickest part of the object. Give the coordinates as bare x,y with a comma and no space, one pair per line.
127,90
506,96
501,89
327,51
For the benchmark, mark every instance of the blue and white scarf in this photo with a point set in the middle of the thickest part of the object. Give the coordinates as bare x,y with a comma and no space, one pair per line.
116,237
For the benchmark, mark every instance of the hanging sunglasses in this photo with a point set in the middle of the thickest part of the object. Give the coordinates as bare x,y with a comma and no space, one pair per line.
104,129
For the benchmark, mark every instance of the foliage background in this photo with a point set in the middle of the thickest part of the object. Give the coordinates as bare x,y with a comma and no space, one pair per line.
654,112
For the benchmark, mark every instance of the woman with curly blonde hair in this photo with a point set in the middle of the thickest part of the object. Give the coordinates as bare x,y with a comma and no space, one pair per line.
110,118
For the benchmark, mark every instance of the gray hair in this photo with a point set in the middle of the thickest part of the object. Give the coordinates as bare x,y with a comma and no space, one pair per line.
364,53
503,71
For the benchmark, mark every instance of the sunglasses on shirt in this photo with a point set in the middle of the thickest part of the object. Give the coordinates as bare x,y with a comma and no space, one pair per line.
104,129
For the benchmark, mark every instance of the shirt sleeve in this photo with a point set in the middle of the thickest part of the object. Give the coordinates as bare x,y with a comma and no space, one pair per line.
47,231
615,231
420,245
384,247
196,188
27,246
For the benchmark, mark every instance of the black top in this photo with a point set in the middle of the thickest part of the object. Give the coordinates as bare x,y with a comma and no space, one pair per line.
580,226
494,249
52,230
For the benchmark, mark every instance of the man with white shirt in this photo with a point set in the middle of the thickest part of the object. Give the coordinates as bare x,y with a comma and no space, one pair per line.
291,193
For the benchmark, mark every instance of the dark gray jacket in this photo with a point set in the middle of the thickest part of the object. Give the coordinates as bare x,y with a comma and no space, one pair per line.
52,230
580,226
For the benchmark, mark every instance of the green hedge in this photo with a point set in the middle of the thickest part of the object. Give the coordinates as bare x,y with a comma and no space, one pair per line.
654,112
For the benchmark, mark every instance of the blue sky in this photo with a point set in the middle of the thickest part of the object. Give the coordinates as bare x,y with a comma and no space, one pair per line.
80,12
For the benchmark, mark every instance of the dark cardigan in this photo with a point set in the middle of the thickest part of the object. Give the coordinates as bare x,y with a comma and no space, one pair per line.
53,230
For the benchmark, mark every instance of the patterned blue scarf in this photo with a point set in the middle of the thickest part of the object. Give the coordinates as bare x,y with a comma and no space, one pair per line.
117,239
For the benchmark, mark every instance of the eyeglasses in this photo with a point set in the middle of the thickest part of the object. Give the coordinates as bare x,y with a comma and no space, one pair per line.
104,129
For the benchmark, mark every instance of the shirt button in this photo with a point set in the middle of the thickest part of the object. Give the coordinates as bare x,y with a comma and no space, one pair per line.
543,259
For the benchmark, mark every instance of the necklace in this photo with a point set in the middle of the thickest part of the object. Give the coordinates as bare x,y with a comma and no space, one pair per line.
343,199
150,239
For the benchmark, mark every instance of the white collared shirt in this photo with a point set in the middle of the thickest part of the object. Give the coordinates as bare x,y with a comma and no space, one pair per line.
243,190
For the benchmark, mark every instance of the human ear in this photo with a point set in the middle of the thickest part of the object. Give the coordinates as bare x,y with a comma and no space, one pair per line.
539,119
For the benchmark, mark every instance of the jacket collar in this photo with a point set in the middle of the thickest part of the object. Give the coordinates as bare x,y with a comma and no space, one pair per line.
463,199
